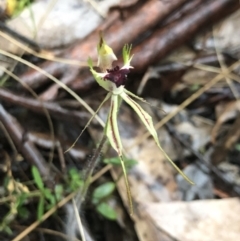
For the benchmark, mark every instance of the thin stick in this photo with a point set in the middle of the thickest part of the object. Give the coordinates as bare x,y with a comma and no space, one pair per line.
224,67
80,226
94,159
43,54
10,141
44,217
34,94
48,231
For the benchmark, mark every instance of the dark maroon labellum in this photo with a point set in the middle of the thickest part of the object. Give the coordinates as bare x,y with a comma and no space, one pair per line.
117,75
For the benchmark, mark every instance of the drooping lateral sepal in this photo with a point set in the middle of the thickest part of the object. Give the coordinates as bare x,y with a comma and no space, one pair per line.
147,121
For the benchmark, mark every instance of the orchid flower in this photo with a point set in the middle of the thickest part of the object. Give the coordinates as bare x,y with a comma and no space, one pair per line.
113,79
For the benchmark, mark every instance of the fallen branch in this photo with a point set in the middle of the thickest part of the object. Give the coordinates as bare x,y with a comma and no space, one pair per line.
53,108
25,147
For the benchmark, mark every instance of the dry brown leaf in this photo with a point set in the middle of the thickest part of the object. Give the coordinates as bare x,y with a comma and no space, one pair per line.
197,76
226,38
226,143
224,113
226,34
208,220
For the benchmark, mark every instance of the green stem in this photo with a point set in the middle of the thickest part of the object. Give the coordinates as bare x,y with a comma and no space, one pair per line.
88,174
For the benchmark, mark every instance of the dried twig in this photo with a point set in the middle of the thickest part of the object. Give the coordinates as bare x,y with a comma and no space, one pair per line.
53,108
163,41
26,147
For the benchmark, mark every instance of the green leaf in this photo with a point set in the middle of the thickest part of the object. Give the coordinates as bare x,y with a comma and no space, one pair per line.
22,198
103,190
147,121
116,161
237,147
194,87
107,211
37,178
49,195
58,189
75,179
40,208
113,161
74,173
23,212
8,230
129,163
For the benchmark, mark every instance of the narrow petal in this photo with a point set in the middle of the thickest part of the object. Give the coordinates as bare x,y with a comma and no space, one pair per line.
126,55
98,76
147,121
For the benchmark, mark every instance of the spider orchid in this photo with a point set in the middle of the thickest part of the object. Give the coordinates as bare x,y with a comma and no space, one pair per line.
113,80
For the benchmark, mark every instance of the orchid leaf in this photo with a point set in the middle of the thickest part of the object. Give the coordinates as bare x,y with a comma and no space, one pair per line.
147,121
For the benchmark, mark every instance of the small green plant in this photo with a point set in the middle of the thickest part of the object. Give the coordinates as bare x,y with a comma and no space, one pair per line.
20,195
100,199
45,193
75,180
103,193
